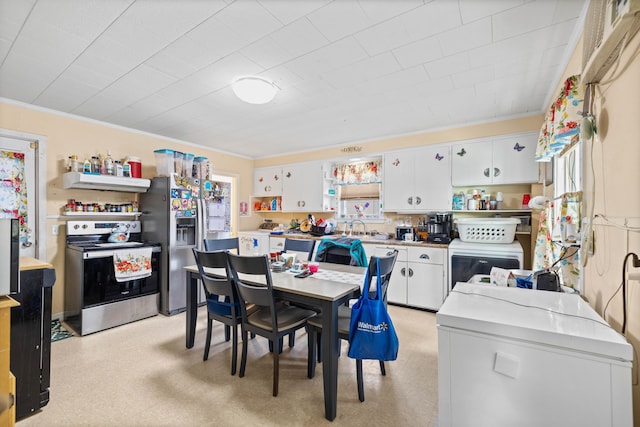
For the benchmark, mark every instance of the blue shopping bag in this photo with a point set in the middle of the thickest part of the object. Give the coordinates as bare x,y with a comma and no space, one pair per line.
371,332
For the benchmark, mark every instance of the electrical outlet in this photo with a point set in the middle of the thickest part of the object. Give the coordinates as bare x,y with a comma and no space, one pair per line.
55,229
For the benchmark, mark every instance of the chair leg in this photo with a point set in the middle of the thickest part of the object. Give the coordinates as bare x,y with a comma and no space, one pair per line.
208,342
227,329
382,369
234,350
276,369
243,361
359,379
319,345
292,339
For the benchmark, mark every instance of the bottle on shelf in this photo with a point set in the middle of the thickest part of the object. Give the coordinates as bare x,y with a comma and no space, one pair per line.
86,168
108,165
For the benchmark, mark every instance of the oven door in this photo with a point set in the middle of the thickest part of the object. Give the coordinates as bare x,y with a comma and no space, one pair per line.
464,267
99,281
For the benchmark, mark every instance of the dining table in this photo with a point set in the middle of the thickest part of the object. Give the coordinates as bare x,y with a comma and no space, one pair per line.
331,286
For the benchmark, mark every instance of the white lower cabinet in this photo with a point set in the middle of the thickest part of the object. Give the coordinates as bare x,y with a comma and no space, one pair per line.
419,276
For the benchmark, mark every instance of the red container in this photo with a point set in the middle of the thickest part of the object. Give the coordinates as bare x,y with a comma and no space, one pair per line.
136,166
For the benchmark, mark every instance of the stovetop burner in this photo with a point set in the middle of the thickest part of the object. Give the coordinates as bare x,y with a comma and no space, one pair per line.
94,235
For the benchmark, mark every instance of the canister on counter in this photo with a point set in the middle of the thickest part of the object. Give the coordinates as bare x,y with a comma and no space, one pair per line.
136,166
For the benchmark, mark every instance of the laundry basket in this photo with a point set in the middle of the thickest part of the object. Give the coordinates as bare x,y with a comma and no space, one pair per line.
487,230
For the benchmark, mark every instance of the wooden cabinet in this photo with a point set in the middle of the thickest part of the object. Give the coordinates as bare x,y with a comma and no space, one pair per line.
267,181
418,180
7,380
302,185
419,276
494,161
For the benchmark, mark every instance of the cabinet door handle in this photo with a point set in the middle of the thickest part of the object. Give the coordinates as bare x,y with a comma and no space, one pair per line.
486,172
410,200
424,256
410,272
303,203
418,200
267,188
403,271
496,172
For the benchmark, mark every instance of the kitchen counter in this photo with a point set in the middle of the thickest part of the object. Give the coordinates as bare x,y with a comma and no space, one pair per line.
29,263
364,238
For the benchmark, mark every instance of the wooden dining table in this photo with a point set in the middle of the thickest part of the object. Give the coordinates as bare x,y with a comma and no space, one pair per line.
332,286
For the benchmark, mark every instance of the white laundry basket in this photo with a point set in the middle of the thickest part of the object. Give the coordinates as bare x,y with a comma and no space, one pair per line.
487,230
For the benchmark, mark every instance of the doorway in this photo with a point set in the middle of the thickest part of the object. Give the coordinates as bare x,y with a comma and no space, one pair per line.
23,189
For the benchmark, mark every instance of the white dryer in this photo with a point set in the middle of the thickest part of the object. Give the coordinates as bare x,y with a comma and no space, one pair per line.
467,259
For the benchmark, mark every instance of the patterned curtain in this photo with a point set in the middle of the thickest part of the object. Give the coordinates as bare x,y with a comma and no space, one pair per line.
562,121
13,189
358,173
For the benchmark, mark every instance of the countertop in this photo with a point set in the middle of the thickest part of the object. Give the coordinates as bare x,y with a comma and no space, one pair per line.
28,263
364,239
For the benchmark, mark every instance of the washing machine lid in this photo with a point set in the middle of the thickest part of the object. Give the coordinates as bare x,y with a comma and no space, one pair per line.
555,319
514,247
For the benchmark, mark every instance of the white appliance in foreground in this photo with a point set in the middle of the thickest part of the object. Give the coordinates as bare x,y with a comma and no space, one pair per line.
517,357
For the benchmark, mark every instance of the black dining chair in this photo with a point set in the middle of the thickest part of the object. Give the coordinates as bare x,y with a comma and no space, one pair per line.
221,244
222,301
271,319
314,324
298,245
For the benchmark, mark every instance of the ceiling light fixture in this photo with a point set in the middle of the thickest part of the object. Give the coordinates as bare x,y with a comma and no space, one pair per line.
254,89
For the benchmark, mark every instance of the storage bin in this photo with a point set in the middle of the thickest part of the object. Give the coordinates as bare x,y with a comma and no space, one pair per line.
199,169
525,222
164,162
178,158
487,230
187,165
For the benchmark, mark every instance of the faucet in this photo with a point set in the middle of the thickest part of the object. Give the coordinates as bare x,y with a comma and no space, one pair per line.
364,227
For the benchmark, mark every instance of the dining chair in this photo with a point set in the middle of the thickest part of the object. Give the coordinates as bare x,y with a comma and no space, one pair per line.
271,319
298,245
305,246
314,325
222,300
221,244
342,250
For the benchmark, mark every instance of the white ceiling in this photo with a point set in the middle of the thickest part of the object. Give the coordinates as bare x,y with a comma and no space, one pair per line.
349,70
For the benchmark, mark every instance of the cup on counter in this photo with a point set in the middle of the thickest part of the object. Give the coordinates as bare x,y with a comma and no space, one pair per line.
408,237
313,267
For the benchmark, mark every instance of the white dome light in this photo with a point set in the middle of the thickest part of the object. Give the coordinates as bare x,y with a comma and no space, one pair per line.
254,89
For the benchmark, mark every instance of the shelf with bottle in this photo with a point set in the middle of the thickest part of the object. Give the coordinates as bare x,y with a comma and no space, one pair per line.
267,204
77,208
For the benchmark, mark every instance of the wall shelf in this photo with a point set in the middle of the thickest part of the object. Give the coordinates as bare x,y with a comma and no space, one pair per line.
104,182
99,214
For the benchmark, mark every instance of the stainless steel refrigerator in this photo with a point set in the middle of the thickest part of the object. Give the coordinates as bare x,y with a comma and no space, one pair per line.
176,215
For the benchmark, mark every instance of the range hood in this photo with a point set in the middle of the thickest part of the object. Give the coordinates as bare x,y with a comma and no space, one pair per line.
104,182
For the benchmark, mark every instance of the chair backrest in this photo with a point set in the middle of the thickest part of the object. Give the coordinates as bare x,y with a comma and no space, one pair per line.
259,292
338,255
214,285
386,268
221,244
298,245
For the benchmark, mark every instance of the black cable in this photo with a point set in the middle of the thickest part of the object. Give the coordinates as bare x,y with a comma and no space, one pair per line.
624,288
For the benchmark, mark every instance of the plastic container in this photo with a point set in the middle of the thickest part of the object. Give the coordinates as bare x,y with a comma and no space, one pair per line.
178,159
199,167
164,162
187,165
487,230
136,166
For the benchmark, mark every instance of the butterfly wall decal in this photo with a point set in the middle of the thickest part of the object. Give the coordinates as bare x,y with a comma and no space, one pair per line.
439,157
288,175
396,162
461,152
518,147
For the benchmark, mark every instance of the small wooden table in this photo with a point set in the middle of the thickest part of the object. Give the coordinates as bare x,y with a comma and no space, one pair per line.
324,293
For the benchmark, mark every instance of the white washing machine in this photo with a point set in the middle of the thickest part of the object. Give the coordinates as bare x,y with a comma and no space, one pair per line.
467,259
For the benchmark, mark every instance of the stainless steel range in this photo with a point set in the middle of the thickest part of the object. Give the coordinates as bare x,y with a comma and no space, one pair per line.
98,297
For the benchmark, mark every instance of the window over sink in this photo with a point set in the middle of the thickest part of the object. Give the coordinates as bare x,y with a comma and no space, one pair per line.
358,189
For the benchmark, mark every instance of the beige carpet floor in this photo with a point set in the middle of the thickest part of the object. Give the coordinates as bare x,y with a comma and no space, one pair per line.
141,374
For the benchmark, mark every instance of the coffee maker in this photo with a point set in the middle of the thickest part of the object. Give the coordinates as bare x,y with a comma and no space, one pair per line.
439,227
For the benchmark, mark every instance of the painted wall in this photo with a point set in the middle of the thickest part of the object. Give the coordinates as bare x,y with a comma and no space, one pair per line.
67,135
613,173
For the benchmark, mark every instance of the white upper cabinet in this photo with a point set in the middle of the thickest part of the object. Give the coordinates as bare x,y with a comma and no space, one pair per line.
302,185
267,181
418,180
490,161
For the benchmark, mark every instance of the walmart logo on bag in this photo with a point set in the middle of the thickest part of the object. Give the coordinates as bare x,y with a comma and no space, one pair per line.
368,327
